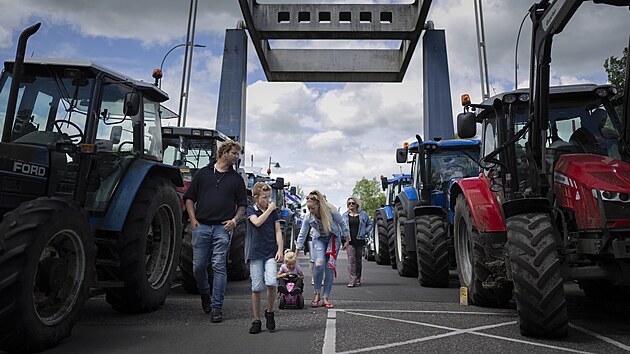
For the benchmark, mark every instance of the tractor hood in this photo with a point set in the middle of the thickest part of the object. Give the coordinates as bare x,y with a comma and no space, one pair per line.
595,171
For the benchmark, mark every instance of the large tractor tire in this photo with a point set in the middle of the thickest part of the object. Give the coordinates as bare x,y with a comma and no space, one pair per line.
46,267
432,251
381,242
237,269
406,263
149,248
186,264
391,242
538,286
472,261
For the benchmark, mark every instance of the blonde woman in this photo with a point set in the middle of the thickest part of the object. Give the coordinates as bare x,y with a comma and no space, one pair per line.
329,232
360,226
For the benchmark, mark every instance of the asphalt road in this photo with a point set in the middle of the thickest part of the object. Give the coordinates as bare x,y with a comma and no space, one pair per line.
387,313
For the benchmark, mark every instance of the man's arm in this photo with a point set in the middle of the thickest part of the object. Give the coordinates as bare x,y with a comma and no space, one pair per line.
190,208
231,224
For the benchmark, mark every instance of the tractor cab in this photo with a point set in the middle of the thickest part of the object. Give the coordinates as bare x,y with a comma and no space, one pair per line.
72,128
437,163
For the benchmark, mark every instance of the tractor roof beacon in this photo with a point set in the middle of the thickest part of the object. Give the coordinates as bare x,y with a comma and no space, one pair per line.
85,199
550,204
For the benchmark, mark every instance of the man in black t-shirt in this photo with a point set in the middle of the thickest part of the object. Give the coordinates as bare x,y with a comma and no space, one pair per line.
215,201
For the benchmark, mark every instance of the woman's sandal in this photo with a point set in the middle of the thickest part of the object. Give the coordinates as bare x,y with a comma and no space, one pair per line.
328,305
315,303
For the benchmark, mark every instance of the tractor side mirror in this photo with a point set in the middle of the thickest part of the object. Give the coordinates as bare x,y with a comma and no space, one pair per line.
115,134
131,106
293,190
279,183
466,125
384,182
401,155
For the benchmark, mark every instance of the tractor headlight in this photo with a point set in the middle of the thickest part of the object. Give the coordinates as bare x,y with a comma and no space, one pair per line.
523,97
609,196
509,99
601,92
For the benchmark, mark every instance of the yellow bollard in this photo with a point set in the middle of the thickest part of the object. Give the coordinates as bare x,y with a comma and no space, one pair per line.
463,295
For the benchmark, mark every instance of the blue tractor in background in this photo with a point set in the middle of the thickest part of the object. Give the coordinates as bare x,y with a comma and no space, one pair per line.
383,230
423,219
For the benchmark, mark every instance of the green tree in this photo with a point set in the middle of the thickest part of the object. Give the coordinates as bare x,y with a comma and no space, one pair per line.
616,68
370,194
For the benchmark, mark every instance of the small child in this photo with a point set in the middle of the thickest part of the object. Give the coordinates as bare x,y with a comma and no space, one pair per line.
264,251
290,267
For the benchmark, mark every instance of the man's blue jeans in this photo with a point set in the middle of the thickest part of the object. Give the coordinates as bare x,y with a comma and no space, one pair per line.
211,242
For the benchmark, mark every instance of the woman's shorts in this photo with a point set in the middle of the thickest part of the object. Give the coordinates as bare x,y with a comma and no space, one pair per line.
263,272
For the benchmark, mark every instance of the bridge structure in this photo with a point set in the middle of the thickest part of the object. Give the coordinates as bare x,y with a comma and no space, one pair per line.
288,37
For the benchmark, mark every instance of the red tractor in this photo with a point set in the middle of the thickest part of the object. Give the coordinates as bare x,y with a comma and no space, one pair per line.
552,202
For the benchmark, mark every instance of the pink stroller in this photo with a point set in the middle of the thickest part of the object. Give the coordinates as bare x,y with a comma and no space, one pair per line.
290,293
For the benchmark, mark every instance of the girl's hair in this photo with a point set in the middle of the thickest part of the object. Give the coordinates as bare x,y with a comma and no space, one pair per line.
324,209
356,200
260,187
290,257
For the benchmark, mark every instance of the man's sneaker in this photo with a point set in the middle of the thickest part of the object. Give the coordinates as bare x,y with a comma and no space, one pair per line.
216,316
206,303
255,328
270,321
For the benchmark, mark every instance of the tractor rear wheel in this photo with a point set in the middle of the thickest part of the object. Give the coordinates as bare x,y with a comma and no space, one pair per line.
237,269
472,261
381,242
405,261
46,267
538,285
432,251
149,248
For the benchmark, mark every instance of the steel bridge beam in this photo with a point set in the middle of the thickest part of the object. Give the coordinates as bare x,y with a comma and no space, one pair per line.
355,22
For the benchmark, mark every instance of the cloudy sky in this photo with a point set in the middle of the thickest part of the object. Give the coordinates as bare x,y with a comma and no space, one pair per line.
325,136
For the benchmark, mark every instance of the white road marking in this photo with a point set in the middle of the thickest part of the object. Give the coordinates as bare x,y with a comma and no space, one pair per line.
599,336
330,335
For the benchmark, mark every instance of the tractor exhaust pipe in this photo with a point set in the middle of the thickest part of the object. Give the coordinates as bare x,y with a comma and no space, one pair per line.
15,82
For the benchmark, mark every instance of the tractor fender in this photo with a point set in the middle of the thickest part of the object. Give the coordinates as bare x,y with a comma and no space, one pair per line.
389,212
128,187
526,205
484,208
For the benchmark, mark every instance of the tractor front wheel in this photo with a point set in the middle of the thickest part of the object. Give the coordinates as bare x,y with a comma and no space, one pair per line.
405,261
46,266
432,251
472,261
538,286
149,248
381,243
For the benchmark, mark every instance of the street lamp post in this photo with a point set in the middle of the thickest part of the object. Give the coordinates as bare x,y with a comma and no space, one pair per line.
169,52
277,165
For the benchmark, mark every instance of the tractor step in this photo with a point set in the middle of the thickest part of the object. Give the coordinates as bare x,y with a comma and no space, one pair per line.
107,263
106,241
107,284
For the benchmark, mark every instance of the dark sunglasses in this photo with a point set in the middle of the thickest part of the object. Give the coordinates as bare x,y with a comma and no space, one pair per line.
352,203
311,197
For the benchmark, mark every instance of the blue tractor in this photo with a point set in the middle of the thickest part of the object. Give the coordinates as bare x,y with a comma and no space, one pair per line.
85,200
423,219
383,230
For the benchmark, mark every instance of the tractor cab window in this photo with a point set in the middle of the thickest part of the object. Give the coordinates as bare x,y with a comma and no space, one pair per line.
194,153
582,126
489,140
115,130
50,108
448,165
152,130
